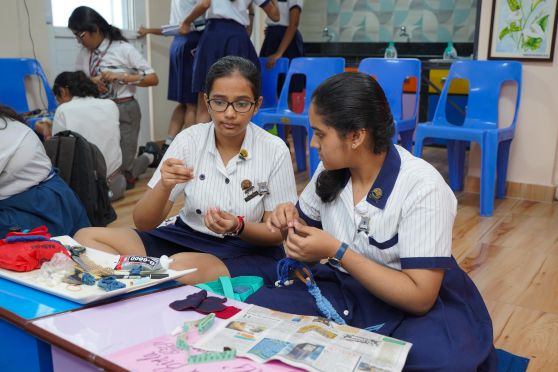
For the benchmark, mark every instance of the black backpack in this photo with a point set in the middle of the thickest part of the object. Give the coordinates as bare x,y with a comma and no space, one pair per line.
82,165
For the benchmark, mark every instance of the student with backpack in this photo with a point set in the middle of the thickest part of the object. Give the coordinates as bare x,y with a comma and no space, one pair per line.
117,68
31,193
96,119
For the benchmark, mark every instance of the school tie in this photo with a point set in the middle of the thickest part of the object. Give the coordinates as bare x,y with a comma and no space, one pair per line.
94,62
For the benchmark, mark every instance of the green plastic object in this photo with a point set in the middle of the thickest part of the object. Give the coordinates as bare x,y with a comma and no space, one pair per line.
238,288
450,52
273,130
206,323
182,343
212,356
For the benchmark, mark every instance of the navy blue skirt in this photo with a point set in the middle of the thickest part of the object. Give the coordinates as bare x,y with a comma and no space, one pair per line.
455,335
240,257
273,37
182,51
51,203
221,37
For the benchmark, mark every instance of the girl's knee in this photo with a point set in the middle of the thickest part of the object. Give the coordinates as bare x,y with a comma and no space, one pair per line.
84,234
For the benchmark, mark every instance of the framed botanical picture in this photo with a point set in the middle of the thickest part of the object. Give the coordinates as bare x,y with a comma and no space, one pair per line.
523,30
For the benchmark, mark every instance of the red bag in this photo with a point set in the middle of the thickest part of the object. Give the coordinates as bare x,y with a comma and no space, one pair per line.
27,251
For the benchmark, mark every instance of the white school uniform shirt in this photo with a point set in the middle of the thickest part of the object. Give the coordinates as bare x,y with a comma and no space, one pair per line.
180,9
236,10
98,121
411,211
217,185
23,159
116,56
285,7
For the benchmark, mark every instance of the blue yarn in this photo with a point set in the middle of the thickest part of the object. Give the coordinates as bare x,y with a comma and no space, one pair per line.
288,265
375,328
87,279
110,283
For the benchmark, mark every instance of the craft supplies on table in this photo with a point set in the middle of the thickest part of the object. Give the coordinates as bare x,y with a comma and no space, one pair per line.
84,294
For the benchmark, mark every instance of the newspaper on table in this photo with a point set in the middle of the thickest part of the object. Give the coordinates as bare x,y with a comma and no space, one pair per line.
307,342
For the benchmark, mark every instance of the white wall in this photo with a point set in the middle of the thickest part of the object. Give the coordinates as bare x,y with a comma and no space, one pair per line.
158,48
14,34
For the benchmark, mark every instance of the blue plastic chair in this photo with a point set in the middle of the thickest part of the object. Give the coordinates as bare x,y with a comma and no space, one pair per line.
270,85
316,71
270,80
391,74
481,125
13,72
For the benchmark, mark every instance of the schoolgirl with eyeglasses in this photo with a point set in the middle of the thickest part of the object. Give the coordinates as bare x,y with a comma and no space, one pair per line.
231,173
117,68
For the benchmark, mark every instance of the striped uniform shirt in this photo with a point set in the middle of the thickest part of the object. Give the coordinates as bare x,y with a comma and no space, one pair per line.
285,7
216,185
410,208
236,10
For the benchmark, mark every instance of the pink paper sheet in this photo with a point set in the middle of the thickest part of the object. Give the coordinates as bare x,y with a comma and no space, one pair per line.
161,354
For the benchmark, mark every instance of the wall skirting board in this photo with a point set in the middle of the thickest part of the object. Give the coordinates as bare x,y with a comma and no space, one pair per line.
517,190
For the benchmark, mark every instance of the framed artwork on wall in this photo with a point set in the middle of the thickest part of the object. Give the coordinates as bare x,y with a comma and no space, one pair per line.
523,30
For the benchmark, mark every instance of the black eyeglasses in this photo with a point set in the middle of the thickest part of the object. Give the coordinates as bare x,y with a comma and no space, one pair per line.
220,105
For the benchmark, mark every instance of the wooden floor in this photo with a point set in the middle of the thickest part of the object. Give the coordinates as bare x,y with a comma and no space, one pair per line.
512,257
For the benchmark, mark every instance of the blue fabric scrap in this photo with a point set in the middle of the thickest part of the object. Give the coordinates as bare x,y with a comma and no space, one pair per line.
110,283
88,279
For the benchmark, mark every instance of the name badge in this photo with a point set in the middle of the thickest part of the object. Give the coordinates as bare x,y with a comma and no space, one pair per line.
251,192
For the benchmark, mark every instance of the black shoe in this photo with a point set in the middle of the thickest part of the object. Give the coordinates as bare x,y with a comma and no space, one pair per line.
155,150
141,150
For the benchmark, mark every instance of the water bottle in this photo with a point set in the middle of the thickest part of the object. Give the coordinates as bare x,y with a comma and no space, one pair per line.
390,52
450,52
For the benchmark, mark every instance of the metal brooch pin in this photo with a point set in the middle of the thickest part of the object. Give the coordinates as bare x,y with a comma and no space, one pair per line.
377,193
262,188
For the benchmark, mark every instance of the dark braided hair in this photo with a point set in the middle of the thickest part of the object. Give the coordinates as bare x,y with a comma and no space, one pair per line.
348,102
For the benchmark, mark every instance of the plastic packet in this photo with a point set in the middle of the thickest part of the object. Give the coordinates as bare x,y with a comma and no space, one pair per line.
52,272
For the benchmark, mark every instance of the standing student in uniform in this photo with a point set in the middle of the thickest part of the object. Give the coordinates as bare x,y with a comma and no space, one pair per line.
31,193
232,175
225,35
181,65
80,110
383,220
282,38
117,68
